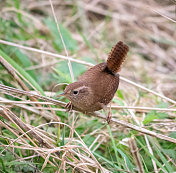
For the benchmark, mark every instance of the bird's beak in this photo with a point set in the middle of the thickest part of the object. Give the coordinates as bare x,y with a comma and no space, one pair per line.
62,94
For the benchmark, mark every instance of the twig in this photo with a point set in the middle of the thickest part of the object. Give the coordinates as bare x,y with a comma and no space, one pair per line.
162,15
69,62
151,152
144,108
45,52
46,114
135,152
148,90
134,127
28,93
54,103
96,114
26,102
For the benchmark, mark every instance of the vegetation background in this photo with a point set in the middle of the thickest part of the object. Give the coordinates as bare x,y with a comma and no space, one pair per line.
73,142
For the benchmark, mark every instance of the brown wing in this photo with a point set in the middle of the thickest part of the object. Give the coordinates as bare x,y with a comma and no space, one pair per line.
91,73
103,83
111,89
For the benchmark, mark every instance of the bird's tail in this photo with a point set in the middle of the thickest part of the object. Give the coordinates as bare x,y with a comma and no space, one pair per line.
117,56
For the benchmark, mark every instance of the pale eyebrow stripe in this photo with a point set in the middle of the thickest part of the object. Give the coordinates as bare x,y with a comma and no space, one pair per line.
81,87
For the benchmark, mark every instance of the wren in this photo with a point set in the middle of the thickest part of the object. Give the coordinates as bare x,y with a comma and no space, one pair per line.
98,85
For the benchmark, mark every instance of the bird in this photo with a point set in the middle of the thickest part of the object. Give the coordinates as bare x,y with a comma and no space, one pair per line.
95,89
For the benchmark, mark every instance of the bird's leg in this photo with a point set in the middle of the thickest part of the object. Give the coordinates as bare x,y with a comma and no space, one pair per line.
108,119
68,107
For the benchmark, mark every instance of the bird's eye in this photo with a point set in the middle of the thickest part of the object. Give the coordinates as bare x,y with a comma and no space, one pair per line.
75,92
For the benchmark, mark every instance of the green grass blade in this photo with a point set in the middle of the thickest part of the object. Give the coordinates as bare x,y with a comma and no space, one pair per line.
17,5
58,135
22,72
106,160
150,155
113,144
162,157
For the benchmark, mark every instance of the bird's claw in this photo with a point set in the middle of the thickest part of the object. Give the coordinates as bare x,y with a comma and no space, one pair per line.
68,107
108,119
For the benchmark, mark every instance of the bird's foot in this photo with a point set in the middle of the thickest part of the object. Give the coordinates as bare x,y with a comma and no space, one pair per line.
68,107
108,119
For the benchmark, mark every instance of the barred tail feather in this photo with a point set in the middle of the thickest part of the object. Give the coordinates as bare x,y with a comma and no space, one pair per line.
117,56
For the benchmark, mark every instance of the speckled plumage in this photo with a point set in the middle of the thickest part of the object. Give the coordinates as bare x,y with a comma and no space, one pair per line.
97,86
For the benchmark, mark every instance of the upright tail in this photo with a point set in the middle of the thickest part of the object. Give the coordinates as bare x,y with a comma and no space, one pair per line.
117,56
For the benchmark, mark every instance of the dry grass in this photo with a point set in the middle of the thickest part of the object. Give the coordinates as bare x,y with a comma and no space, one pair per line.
148,27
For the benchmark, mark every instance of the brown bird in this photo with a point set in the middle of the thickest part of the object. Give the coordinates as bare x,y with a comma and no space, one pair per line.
97,86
